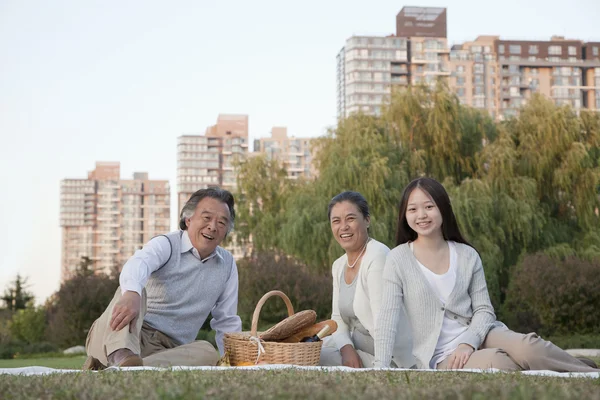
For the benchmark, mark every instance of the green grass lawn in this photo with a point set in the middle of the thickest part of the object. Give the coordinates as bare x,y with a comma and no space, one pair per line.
60,362
290,384
245,384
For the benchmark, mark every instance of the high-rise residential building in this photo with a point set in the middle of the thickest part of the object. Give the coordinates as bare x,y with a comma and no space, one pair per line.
428,52
489,73
294,153
475,76
208,160
500,76
106,218
368,67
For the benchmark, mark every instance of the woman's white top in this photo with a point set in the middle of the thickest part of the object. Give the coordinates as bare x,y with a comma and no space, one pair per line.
442,285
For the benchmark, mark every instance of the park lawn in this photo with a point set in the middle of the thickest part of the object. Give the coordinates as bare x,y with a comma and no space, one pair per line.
57,362
296,384
68,362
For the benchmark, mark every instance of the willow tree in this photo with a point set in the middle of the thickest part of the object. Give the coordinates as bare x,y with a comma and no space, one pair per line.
557,148
442,137
262,188
358,155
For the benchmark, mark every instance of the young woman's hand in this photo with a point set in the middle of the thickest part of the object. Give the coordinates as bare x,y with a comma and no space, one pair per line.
461,355
350,357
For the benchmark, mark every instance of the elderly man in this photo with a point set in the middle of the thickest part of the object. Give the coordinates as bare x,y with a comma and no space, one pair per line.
168,288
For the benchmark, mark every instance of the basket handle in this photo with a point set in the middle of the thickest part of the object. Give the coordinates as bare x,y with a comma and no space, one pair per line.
261,302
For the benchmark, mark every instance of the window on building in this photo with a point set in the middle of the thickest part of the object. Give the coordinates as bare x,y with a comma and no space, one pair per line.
475,49
514,49
534,49
486,49
595,51
555,50
572,50
501,48
460,80
479,102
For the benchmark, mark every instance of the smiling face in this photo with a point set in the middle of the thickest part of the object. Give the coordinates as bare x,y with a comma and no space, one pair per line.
208,226
349,226
423,215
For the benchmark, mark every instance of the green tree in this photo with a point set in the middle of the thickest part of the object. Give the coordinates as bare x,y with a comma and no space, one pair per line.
530,184
29,325
77,304
358,155
262,189
16,296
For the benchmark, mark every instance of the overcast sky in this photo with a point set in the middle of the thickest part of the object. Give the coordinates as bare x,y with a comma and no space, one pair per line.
82,81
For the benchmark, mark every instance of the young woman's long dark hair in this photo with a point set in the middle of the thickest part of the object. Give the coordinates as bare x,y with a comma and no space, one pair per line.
450,230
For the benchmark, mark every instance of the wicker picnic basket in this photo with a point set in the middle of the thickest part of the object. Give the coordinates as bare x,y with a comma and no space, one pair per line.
246,347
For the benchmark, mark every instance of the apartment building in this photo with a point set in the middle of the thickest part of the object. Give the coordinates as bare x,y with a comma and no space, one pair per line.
107,219
500,76
491,74
475,74
294,153
208,160
369,67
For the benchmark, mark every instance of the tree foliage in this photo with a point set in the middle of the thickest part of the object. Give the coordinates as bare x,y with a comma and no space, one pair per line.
29,325
77,304
517,187
16,296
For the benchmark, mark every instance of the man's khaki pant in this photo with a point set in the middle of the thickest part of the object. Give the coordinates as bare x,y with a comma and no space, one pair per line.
510,351
156,348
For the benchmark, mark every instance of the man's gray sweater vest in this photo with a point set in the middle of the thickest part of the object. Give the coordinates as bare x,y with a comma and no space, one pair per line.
181,293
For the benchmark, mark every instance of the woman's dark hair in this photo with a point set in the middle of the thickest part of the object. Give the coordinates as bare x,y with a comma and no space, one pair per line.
433,188
353,197
213,192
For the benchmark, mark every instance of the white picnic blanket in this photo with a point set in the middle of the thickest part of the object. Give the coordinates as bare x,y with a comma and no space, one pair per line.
45,370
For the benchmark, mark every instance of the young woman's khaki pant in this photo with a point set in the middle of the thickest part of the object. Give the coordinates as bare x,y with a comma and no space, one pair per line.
510,351
156,348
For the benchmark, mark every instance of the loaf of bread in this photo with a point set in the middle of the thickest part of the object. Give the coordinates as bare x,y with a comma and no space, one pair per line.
311,331
290,326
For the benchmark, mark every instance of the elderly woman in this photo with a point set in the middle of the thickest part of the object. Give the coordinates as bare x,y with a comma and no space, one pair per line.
357,289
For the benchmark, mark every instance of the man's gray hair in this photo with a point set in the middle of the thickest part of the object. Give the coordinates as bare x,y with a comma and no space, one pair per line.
213,192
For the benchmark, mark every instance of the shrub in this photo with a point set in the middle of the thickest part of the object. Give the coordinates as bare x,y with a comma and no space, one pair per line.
208,335
76,305
576,341
273,271
29,325
19,349
554,296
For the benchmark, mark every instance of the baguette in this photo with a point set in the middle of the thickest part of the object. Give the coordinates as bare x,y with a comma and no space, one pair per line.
311,331
289,326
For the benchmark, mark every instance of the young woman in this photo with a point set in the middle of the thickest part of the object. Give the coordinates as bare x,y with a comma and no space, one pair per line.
437,277
357,288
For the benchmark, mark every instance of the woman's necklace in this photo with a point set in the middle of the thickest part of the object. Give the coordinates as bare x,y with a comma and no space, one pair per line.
359,255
